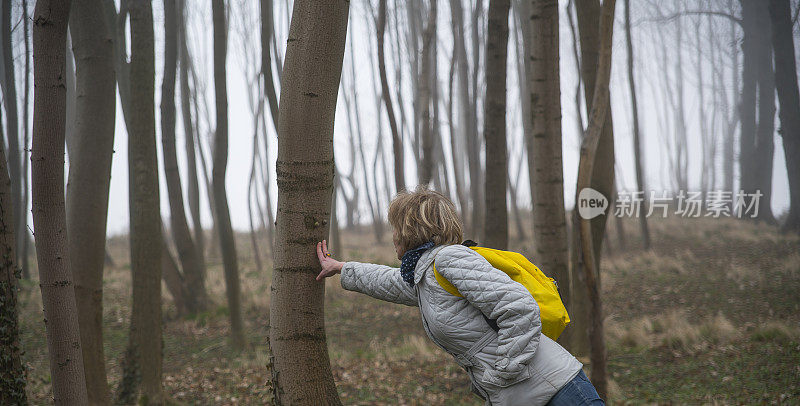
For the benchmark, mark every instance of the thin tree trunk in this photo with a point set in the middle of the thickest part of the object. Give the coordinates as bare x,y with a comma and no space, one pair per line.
25,141
305,169
545,167
588,13
193,192
765,130
466,112
173,279
637,147
397,142
89,181
143,366
424,95
224,228
789,97
589,153
267,26
9,86
49,215
12,371
187,251
494,130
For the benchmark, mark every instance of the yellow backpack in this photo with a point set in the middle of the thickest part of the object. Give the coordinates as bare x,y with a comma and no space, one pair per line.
543,289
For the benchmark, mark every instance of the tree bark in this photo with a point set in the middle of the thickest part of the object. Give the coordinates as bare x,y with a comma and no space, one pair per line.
637,148
12,371
188,256
143,358
789,98
9,86
545,165
397,142
589,154
89,181
494,130
49,216
224,228
305,166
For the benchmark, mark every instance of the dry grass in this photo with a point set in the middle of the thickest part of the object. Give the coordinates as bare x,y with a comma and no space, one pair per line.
671,330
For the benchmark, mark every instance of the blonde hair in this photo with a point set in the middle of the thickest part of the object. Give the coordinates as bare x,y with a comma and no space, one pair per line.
424,215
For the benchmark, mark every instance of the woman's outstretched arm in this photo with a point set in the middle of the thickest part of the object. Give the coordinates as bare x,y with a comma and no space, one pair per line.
379,281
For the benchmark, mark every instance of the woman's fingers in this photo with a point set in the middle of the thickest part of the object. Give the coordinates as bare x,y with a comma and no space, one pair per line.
325,247
319,253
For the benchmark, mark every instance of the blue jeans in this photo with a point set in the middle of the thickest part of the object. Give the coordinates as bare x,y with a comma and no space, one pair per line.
578,391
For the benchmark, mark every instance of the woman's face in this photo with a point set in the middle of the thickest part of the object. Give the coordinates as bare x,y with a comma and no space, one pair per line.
397,247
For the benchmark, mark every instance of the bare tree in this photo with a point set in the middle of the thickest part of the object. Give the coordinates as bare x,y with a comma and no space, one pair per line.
543,144
89,181
397,142
789,97
224,228
9,88
637,147
494,130
191,265
49,215
12,370
589,154
142,367
424,99
305,169
192,184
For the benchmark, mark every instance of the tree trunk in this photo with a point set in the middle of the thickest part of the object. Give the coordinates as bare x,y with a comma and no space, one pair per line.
305,168
25,142
424,95
545,165
496,218
173,279
397,142
143,366
224,228
637,147
588,13
756,141
89,181
9,86
193,192
789,98
49,216
589,154
267,24
188,256
12,371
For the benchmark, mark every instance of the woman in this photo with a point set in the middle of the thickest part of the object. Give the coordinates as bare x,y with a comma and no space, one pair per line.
515,365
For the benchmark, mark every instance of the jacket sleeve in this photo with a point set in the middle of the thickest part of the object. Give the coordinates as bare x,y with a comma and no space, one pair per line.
379,281
498,297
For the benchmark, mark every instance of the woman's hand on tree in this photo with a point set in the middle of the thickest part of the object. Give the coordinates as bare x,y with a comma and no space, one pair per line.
329,265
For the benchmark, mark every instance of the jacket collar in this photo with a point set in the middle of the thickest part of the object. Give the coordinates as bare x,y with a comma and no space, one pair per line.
425,261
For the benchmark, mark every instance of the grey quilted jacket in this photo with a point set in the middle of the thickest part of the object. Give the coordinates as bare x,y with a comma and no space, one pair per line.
517,365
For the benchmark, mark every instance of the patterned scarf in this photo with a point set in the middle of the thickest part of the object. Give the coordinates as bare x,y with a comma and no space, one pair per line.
409,261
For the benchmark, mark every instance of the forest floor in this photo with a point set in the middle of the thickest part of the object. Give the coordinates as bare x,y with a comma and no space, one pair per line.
709,315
